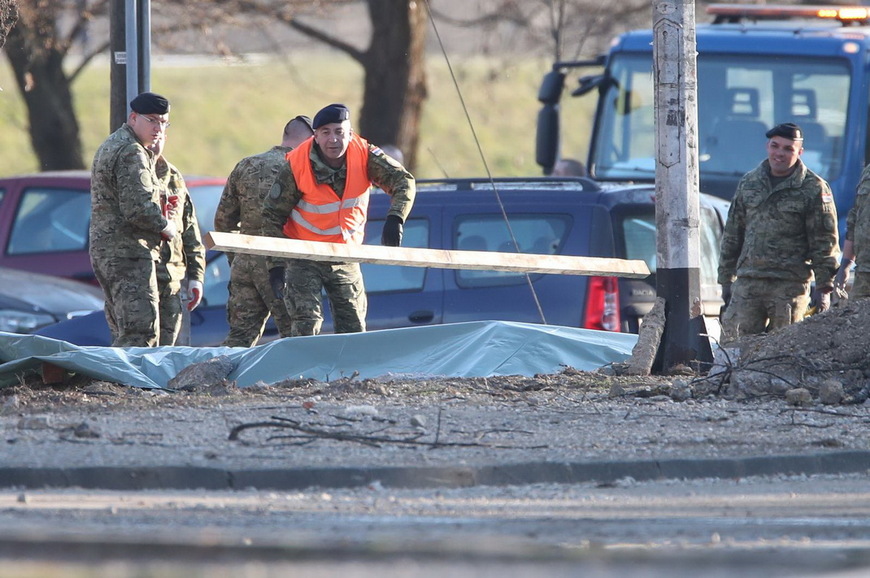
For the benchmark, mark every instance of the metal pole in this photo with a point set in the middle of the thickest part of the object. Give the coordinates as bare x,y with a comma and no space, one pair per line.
144,45
132,43
677,210
118,66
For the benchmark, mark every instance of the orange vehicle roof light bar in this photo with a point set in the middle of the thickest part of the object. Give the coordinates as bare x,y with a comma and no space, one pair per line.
737,12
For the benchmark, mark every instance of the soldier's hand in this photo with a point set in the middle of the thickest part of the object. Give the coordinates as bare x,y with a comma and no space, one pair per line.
169,231
194,293
843,275
393,230
822,299
276,281
726,293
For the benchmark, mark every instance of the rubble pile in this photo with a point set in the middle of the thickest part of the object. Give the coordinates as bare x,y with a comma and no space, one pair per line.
824,358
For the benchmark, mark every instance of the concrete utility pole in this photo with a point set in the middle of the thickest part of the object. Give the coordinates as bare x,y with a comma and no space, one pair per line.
130,45
677,211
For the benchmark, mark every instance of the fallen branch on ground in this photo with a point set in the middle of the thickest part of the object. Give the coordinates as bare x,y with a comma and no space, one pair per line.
310,434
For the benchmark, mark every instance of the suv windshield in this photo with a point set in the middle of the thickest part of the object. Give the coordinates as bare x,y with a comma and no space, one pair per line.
740,97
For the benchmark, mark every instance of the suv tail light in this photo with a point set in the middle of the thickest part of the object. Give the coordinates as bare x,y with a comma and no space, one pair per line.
602,304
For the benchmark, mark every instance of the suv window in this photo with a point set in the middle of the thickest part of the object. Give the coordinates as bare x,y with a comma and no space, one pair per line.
50,220
534,233
205,201
379,278
639,236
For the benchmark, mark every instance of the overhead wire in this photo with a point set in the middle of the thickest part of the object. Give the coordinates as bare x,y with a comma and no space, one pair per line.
482,156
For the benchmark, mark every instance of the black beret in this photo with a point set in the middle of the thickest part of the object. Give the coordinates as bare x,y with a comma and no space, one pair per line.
787,130
330,114
150,103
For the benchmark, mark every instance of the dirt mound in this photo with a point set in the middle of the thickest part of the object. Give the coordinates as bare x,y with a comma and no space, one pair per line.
823,354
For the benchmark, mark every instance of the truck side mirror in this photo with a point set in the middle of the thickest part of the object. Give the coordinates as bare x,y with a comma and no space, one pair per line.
547,137
551,87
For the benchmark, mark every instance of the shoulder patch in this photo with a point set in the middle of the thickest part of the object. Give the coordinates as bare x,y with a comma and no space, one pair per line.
275,191
377,150
827,197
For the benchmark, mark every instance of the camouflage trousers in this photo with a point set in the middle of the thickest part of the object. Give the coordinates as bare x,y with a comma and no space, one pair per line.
132,300
252,301
759,305
344,287
861,286
171,306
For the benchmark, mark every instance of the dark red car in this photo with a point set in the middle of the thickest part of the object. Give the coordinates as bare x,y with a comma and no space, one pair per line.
44,220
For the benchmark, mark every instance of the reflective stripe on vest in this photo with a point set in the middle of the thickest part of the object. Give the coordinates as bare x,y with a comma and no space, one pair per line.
320,215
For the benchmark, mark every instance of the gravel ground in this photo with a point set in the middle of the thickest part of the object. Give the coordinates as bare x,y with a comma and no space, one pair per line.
566,418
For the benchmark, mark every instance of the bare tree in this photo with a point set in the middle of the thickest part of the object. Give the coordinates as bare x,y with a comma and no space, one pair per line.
566,29
394,86
393,93
37,48
8,17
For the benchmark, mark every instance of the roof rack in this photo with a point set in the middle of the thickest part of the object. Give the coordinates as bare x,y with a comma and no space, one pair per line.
510,183
736,13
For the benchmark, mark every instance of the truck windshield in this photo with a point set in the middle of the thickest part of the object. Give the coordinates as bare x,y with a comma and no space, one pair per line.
739,98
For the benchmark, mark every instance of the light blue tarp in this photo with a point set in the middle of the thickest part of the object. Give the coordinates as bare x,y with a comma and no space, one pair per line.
476,349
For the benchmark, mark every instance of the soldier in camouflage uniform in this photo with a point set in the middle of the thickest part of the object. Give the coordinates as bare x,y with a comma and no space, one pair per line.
857,239
781,229
127,225
181,257
321,194
241,210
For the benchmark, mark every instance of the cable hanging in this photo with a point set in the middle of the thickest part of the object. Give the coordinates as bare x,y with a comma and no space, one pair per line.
483,157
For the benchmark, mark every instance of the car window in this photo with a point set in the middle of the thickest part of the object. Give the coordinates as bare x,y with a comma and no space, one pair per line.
380,278
538,233
711,239
639,234
205,200
215,286
50,220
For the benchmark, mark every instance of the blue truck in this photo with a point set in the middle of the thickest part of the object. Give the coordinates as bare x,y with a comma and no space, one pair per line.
758,65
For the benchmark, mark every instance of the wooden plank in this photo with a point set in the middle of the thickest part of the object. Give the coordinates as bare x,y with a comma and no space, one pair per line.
437,258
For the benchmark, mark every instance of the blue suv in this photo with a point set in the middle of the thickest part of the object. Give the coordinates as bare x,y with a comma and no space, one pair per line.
568,216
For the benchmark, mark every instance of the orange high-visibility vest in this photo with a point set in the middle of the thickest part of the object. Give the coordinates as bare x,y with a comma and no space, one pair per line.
320,215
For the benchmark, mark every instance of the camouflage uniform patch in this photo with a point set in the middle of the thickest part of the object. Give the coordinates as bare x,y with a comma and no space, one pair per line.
251,298
181,257
344,286
132,300
777,237
858,231
759,305
124,236
251,302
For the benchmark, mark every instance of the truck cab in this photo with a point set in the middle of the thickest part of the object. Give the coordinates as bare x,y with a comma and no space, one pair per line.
758,66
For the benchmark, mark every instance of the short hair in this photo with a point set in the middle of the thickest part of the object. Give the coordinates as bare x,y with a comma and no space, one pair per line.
297,130
787,130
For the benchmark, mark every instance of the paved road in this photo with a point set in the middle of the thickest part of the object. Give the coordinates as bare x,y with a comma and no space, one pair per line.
765,527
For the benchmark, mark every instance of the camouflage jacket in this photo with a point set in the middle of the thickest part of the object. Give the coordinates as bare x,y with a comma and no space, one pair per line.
858,220
784,232
241,205
126,216
383,171
185,251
